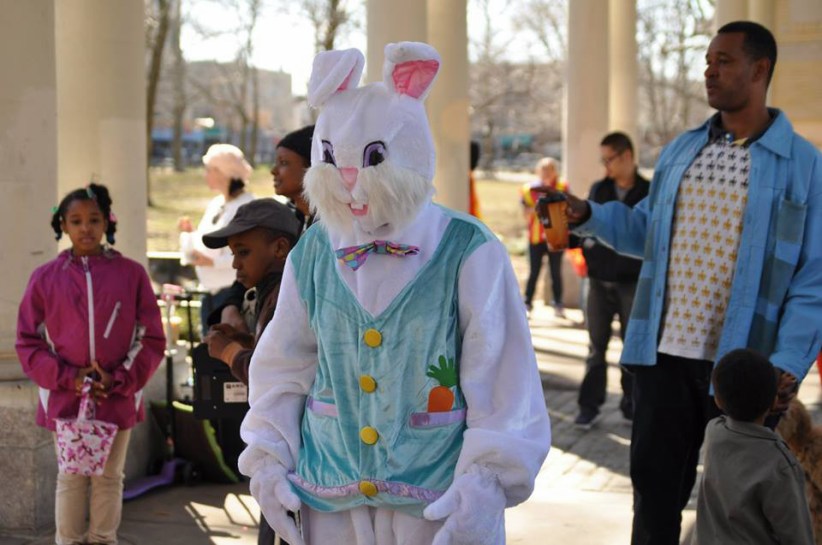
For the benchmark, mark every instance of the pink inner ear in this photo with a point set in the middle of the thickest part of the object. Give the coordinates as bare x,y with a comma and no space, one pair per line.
346,82
413,78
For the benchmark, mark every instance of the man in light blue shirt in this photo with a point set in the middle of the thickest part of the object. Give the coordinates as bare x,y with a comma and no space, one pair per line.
731,242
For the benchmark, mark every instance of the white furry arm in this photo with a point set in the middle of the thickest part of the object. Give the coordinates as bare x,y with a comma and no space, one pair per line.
281,373
508,427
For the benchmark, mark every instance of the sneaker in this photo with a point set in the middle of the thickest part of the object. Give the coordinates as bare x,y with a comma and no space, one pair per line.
559,311
585,420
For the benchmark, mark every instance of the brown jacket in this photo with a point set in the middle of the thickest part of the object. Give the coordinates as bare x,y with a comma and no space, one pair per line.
239,357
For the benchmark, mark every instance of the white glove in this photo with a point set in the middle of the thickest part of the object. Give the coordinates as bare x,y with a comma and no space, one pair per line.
271,489
473,508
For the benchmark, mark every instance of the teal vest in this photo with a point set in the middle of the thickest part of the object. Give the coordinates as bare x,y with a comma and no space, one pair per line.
368,437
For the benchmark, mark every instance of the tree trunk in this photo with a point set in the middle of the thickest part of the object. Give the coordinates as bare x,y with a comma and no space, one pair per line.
179,93
242,102
255,117
157,47
243,133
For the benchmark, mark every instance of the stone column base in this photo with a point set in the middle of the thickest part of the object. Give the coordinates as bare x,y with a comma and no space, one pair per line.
29,468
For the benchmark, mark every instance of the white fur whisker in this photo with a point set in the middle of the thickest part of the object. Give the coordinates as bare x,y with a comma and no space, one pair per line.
327,197
394,196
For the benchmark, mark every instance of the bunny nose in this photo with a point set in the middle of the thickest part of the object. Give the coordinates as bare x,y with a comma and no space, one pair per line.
349,176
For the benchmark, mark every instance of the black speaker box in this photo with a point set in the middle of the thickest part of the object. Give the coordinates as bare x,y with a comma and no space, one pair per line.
217,393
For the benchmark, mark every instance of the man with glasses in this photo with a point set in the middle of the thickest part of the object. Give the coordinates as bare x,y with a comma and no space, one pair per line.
612,280
731,243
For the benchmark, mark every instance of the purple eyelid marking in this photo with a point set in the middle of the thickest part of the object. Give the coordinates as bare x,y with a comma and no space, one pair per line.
328,153
374,154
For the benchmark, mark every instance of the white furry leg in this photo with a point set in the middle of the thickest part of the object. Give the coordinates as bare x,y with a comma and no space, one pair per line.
395,528
366,526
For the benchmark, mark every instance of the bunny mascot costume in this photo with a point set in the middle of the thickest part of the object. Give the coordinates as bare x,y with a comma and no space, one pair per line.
395,397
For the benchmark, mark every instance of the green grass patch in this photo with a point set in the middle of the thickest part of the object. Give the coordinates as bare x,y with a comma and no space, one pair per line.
177,194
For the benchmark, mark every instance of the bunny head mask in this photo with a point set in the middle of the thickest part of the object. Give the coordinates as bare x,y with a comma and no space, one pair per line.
372,155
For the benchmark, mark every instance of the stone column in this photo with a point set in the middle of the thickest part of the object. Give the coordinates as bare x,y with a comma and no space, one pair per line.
586,94
762,12
797,26
730,10
101,107
101,120
448,102
623,69
28,180
390,21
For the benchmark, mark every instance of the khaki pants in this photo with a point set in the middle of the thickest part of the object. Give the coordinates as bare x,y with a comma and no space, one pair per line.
98,498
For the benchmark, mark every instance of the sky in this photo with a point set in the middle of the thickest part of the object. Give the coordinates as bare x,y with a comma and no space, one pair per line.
284,40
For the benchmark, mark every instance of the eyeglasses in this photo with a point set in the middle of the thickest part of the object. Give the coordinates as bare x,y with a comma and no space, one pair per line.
608,160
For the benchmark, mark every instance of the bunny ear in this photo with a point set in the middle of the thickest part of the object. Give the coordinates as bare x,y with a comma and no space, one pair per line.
410,68
334,71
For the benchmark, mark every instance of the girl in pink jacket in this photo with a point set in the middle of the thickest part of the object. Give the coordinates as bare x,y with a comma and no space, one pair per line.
90,313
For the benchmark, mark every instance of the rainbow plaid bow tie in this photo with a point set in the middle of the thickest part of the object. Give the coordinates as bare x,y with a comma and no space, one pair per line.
355,256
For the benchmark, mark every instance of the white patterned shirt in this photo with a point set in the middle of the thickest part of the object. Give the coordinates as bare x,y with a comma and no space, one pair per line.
706,232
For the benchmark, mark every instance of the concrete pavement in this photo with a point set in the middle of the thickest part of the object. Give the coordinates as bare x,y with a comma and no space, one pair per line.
582,495
583,492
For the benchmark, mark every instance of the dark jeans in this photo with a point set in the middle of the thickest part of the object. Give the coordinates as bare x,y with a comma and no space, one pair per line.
671,408
536,252
605,299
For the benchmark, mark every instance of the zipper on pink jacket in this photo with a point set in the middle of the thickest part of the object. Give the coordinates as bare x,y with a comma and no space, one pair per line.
91,345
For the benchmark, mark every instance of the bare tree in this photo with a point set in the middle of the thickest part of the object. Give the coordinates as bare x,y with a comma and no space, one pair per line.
505,95
673,37
178,75
547,21
237,88
157,15
247,99
329,18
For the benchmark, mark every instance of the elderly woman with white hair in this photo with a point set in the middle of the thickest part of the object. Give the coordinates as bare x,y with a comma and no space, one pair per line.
547,169
226,172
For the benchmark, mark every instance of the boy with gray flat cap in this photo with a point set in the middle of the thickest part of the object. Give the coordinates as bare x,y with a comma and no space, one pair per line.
260,236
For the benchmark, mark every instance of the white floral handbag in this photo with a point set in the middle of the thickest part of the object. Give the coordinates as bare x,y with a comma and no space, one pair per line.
83,443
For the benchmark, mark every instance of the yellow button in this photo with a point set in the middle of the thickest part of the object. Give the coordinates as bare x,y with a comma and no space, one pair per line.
368,488
367,383
372,338
369,435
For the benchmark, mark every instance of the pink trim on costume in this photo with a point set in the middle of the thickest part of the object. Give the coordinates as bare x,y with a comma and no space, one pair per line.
346,82
413,78
353,489
321,407
433,420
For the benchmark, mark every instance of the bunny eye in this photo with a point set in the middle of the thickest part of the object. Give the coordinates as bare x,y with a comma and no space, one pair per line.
374,154
328,153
